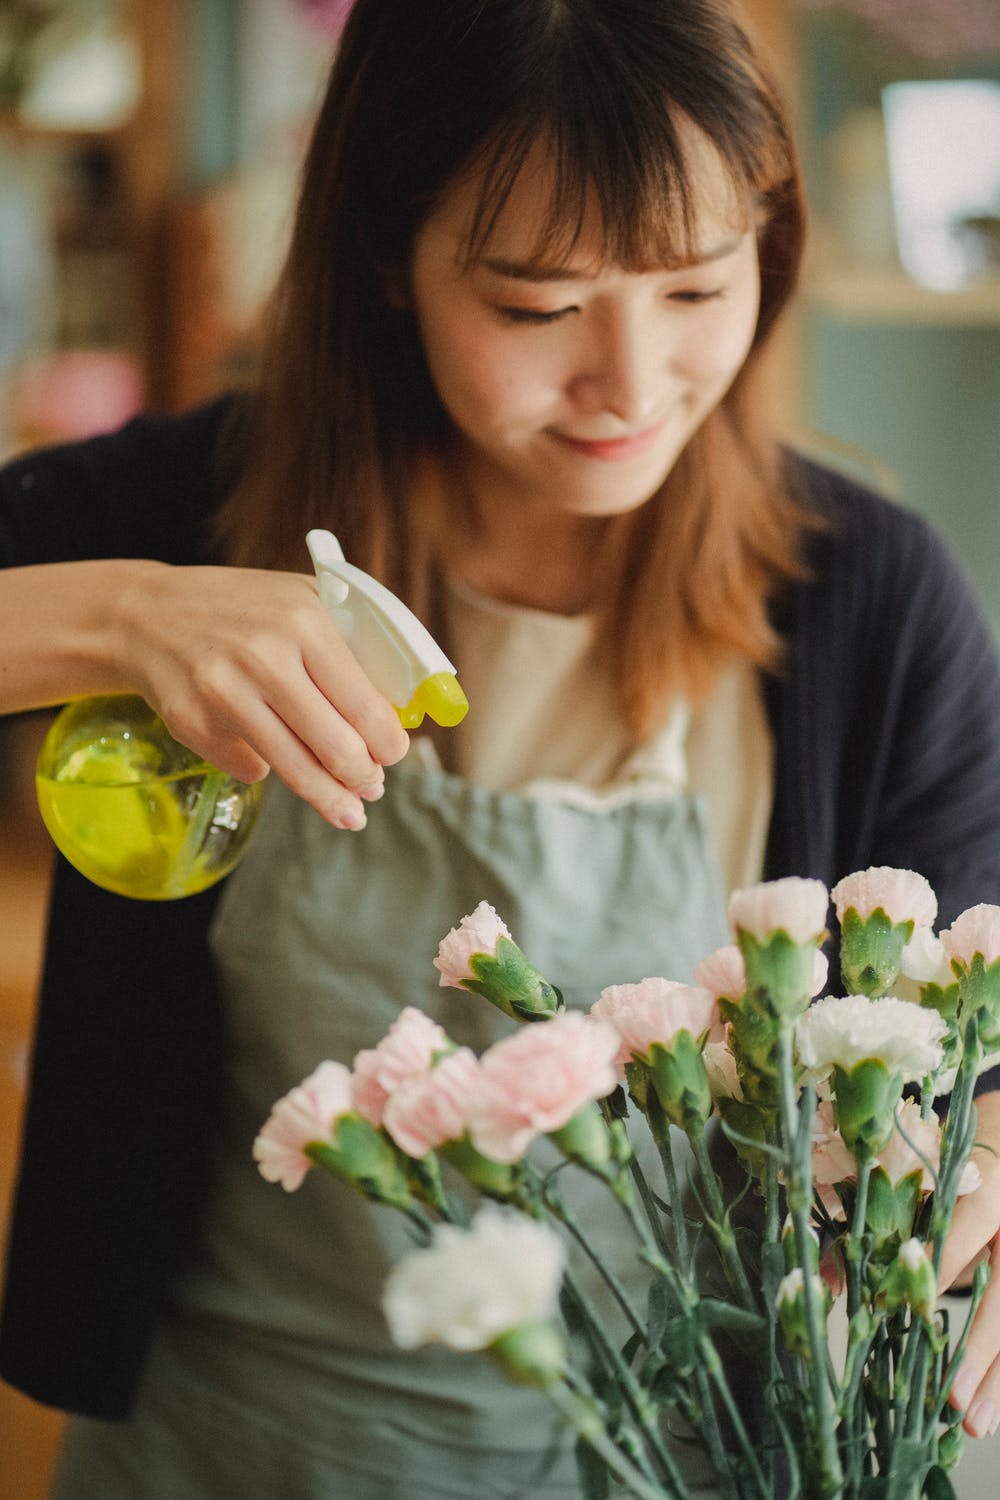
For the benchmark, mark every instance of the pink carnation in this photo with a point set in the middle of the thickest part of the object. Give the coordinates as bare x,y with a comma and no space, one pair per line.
793,905
431,1108
724,973
304,1115
832,1162
409,1046
903,895
898,1158
723,1074
475,934
654,1010
532,1083
977,930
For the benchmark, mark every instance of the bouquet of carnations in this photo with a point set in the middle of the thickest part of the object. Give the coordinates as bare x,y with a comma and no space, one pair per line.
846,1182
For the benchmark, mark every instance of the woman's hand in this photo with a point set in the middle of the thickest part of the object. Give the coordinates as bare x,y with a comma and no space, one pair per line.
974,1236
247,669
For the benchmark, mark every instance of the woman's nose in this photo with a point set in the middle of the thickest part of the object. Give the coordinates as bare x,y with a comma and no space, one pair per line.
623,370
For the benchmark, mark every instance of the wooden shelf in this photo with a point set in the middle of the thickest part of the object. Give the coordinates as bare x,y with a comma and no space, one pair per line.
887,295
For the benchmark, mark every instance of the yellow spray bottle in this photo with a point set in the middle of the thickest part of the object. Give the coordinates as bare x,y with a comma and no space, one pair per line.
139,814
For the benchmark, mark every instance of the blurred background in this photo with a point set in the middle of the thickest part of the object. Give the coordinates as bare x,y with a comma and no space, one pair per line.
148,158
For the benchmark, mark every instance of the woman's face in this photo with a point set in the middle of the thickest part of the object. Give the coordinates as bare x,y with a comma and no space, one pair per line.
573,389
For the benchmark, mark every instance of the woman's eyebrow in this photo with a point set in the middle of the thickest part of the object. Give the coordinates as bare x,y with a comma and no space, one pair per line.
532,270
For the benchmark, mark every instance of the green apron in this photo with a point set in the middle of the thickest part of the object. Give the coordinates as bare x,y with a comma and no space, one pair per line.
272,1374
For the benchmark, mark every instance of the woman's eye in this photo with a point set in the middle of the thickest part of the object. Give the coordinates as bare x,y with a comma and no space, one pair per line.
695,296
532,315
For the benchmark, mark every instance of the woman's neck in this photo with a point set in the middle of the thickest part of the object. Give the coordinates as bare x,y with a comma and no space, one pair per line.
519,555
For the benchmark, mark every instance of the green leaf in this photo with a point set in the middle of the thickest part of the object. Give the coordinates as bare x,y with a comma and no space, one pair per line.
772,1270
909,1459
680,1342
657,1311
713,1313
937,1485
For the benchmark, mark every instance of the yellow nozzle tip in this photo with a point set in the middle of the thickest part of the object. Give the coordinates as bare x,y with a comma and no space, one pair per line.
439,696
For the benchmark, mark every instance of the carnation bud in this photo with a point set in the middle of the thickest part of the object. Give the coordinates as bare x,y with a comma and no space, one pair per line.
909,1282
531,1353
677,1073
364,1158
513,985
865,1099
791,1307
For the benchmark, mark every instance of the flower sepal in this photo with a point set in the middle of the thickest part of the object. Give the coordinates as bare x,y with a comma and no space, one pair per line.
677,1073
909,1281
594,1143
870,951
499,1180
508,981
364,1158
890,1210
865,1100
753,1040
531,1354
791,1307
979,993
779,972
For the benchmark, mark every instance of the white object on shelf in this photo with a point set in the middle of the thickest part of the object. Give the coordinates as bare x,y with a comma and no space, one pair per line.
943,139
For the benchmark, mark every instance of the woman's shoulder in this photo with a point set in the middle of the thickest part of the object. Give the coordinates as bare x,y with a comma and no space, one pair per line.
868,546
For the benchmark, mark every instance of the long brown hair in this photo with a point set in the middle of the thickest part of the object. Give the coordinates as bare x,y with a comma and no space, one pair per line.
423,90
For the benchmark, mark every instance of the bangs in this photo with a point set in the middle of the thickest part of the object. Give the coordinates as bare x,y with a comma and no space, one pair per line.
650,179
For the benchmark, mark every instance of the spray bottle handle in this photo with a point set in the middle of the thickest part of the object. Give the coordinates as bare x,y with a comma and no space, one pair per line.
396,651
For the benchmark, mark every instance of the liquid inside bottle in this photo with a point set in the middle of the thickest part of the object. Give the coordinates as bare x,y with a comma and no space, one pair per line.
133,810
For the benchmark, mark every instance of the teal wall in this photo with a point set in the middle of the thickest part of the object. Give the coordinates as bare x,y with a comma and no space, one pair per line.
922,397
926,401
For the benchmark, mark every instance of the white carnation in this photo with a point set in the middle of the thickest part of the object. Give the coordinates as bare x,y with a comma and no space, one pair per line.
924,960
469,1286
843,1031
977,930
793,905
903,895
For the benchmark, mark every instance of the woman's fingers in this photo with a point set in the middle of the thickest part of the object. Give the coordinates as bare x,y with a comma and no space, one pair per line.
976,1391
248,670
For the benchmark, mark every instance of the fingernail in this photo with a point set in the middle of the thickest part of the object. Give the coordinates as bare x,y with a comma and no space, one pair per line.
372,790
353,818
983,1419
964,1389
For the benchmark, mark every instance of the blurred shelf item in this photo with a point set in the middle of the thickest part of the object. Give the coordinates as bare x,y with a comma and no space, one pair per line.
887,295
94,128
852,289
227,246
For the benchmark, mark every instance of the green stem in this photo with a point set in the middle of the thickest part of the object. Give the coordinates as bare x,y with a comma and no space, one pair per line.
664,1140
720,1226
639,1403
799,1184
717,1374
645,1192
614,1285
584,1419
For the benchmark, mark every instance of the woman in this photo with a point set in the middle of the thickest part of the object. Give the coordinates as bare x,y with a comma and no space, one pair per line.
539,249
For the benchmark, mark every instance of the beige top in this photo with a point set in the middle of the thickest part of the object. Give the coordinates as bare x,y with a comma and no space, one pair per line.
544,719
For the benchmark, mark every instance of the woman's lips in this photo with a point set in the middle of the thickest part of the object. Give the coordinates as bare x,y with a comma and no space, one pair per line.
612,448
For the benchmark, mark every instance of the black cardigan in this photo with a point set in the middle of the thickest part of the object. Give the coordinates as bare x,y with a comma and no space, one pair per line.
886,721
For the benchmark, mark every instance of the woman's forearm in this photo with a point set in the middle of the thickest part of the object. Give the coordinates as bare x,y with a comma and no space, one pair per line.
64,631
